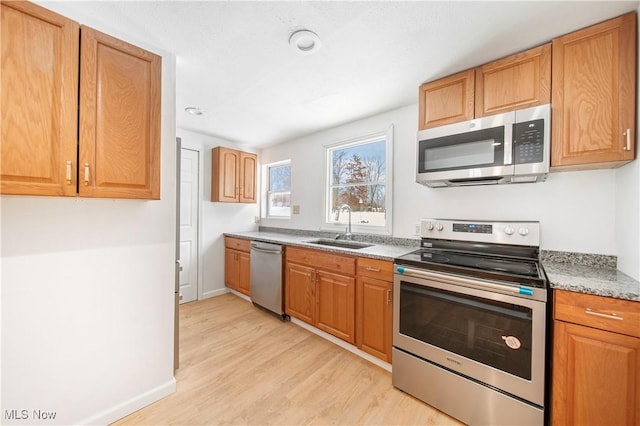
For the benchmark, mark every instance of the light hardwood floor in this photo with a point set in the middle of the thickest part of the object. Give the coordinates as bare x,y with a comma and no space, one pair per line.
240,365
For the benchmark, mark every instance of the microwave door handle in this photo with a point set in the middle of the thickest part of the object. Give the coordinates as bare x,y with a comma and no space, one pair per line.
508,144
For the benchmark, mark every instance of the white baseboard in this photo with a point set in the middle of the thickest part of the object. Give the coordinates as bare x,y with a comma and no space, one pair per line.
240,295
214,293
353,349
132,405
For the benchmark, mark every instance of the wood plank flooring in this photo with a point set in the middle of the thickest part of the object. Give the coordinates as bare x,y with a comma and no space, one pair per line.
241,366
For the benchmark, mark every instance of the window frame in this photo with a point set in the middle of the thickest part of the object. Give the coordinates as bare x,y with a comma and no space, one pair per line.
329,225
267,186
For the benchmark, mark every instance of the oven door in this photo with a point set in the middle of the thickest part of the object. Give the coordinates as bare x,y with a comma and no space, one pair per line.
475,150
494,338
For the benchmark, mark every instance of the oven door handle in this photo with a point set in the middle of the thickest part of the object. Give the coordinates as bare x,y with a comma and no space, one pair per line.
473,283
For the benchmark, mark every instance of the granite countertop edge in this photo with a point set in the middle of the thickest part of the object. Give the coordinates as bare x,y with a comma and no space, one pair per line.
379,251
565,271
596,280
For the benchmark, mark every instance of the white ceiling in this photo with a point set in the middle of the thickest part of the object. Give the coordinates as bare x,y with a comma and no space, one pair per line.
234,61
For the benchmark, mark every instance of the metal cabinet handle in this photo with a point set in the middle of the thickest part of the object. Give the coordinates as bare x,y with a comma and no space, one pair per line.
600,314
86,174
370,269
627,147
389,297
68,173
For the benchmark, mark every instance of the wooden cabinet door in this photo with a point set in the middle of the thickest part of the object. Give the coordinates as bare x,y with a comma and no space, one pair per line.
120,88
596,377
594,95
335,310
516,82
231,272
300,292
244,273
248,167
225,174
448,100
374,321
38,123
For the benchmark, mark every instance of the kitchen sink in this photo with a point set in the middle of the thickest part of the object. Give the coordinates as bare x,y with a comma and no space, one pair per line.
340,243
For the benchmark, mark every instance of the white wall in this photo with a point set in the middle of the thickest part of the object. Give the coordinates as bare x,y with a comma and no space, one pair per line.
88,290
577,210
628,207
215,218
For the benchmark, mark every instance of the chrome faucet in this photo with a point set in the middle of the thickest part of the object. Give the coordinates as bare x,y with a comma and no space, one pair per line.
347,235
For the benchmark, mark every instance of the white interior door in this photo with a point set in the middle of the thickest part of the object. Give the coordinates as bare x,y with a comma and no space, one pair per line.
189,172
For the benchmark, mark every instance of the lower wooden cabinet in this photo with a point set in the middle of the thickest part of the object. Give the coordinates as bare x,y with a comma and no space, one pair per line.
320,290
335,297
237,265
374,321
300,299
596,371
374,307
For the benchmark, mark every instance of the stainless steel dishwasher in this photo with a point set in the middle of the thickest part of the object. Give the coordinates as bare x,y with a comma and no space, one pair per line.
266,277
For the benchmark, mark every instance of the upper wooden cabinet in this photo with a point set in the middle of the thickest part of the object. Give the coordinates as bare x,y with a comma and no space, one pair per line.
39,101
448,100
233,175
113,149
594,96
119,118
519,81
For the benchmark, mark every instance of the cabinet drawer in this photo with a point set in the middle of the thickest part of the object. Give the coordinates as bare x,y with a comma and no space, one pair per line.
323,260
605,313
237,244
379,269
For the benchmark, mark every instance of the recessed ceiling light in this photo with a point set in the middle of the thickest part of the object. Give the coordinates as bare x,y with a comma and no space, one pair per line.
194,110
304,42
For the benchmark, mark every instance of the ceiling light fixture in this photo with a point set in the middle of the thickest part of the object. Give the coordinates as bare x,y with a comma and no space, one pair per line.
304,42
194,110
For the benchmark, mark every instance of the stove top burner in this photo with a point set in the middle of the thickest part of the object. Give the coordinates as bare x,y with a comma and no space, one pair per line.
521,271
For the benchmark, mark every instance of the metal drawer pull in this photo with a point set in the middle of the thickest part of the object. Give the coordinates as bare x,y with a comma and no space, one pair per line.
600,314
627,147
370,269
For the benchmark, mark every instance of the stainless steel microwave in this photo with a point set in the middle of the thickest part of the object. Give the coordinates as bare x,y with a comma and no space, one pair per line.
512,147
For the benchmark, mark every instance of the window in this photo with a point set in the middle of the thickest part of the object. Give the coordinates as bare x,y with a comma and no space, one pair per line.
279,189
357,176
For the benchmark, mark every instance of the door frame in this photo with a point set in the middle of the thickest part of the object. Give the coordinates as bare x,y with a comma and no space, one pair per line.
200,255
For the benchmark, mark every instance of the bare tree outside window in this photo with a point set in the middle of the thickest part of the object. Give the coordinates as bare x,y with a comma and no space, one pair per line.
358,178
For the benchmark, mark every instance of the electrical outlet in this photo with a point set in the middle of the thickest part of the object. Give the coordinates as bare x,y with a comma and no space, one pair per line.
416,229
256,219
296,209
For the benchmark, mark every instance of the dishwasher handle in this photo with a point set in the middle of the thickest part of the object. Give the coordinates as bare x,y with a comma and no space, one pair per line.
259,248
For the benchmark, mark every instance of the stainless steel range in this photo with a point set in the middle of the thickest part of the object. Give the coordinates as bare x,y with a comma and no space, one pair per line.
470,319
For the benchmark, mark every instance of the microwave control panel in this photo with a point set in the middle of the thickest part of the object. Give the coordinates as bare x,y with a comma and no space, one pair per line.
528,142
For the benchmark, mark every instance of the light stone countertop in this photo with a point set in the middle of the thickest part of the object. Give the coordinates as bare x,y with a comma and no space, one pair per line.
601,281
382,251
564,270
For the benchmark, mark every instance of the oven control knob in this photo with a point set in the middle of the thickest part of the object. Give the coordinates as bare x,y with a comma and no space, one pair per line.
429,226
509,230
439,227
523,231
